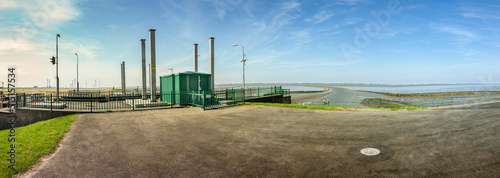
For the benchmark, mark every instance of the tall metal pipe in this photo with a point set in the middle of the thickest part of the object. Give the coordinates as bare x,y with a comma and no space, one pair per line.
153,63
195,57
77,83
150,82
143,60
123,78
57,65
211,62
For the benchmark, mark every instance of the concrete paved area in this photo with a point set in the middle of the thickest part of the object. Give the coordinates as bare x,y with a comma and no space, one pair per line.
258,141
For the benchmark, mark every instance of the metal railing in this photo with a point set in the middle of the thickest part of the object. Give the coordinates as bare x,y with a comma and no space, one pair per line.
107,101
260,92
90,102
99,102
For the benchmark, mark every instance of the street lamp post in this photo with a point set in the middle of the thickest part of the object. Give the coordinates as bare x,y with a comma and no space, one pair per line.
242,60
77,83
57,66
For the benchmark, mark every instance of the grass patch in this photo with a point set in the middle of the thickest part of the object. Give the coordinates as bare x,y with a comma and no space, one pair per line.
412,109
32,142
333,108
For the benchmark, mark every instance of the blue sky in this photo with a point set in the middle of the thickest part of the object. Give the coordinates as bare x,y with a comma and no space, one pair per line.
386,41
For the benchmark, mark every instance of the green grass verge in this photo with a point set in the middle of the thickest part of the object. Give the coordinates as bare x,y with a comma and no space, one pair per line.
320,107
31,143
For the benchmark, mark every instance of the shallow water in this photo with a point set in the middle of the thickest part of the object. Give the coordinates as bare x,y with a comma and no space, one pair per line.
340,95
345,97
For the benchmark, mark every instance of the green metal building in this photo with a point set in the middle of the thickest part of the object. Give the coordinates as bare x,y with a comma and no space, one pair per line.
175,88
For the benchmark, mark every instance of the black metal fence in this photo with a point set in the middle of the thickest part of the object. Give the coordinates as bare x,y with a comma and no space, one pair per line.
90,102
106,101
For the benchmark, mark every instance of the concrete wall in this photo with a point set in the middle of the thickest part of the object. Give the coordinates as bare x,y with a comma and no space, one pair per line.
30,116
272,99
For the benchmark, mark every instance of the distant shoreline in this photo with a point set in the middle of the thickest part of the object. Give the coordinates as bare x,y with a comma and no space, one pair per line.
316,91
432,94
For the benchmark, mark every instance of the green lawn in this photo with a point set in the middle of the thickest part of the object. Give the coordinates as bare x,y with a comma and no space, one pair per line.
31,143
320,107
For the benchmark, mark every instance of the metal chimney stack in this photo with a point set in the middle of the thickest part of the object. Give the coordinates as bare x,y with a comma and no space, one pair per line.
149,67
123,77
211,61
195,57
143,60
153,63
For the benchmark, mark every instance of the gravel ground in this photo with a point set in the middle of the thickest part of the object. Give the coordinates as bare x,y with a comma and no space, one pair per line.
259,141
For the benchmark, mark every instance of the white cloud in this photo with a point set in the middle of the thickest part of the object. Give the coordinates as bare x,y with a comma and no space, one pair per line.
267,28
470,52
290,5
347,22
454,31
87,51
301,36
48,13
324,15
223,6
346,2
480,16
8,4
17,45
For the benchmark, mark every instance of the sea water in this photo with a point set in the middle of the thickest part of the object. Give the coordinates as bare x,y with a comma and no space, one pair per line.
346,97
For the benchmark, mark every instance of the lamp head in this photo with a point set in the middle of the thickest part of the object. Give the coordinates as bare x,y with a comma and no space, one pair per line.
235,44
58,35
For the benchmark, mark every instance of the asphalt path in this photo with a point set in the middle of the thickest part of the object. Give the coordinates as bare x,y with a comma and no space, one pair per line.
259,141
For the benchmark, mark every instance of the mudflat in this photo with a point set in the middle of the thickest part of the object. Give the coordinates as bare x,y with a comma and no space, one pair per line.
259,141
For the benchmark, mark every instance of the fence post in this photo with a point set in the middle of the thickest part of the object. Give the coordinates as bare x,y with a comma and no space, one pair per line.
108,100
243,96
258,92
51,102
203,100
133,99
90,102
171,99
234,97
24,99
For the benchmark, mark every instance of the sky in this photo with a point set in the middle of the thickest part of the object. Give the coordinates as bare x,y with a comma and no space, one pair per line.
286,41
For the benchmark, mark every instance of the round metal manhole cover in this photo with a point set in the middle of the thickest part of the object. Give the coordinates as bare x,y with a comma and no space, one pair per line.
370,151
